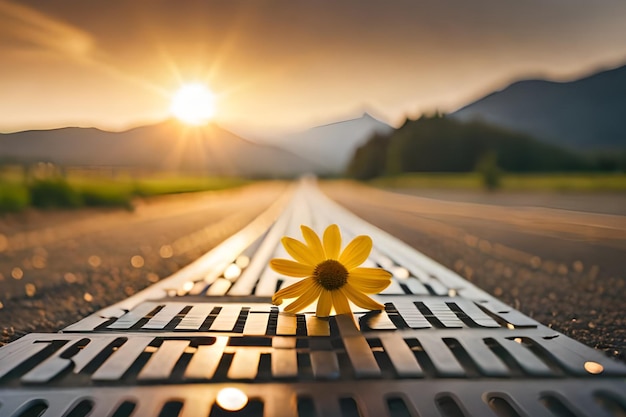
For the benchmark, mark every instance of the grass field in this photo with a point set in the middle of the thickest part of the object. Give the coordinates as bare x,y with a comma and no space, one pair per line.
513,182
75,190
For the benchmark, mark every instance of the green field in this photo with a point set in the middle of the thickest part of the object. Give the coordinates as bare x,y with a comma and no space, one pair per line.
511,182
18,191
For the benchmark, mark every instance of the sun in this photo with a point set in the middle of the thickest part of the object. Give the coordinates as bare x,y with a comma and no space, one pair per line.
193,104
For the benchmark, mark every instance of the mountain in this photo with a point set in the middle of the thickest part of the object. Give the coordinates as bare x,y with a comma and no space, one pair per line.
586,114
165,146
333,145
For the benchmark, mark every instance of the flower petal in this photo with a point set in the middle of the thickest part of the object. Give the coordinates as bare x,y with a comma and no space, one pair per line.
340,302
332,241
369,280
324,304
314,243
356,252
299,251
293,291
304,300
369,285
371,273
291,268
360,299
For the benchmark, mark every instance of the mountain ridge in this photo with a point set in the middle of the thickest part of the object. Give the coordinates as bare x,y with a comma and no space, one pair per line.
166,145
583,114
334,143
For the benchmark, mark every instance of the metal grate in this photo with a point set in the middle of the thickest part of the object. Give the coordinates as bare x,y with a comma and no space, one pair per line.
441,347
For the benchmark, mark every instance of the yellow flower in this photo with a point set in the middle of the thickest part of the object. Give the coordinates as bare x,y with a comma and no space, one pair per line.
329,274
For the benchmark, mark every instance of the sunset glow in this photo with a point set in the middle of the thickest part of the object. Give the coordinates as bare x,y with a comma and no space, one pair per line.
286,68
193,104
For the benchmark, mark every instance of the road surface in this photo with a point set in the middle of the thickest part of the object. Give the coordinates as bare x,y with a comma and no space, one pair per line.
563,268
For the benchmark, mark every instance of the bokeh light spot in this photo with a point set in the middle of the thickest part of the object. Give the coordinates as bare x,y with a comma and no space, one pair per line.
232,399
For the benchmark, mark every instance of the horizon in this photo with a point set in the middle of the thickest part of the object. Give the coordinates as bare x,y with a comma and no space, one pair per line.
272,135
284,69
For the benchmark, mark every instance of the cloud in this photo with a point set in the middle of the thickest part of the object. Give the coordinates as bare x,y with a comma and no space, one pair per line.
24,27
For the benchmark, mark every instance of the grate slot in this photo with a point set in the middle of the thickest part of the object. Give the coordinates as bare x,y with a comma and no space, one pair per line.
122,359
18,355
82,409
162,362
125,409
442,358
471,315
87,324
134,316
524,357
610,402
195,317
449,407
171,409
34,408
439,314
361,357
484,359
163,316
256,324
502,312
411,315
415,286
401,356
397,407
573,356
556,406
306,407
377,320
436,287
502,406
53,365
349,408
226,318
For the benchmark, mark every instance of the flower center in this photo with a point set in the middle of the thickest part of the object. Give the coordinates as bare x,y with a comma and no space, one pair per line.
330,274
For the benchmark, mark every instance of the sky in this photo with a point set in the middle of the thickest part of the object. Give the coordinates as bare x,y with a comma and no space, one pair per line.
277,65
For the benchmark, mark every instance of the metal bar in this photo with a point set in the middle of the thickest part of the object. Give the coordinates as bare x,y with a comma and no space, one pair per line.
286,324
131,318
442,358
206,359
256,324
401,356
162,362
245,363
122,359
195,317
226,319
164,316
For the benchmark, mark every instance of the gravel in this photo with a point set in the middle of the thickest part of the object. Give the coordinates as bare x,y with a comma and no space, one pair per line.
58,267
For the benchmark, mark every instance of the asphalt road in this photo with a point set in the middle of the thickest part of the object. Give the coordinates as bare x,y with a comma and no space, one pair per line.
561,267
564,268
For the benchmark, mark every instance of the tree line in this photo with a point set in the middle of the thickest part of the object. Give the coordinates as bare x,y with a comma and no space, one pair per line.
443,144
